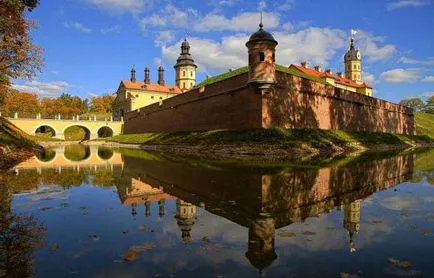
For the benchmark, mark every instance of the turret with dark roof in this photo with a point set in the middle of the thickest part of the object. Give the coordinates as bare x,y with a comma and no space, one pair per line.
185,58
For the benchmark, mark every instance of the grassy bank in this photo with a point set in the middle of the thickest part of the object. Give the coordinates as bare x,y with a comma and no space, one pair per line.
425,124
273,142
15,145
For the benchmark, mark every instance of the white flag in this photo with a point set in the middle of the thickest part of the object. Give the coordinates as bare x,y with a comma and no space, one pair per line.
354,32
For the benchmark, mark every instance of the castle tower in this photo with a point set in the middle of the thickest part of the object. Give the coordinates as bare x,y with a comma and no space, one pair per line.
353,64
261,252
186,216
262,49
352,221
133,74
185,68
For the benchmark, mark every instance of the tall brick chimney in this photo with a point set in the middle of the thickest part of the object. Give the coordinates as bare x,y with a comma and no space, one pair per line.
317,68
147,76
305,64
329,71
133,75
161,76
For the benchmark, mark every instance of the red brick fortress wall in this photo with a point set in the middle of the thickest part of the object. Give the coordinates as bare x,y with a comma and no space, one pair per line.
223,105
295,102
301,103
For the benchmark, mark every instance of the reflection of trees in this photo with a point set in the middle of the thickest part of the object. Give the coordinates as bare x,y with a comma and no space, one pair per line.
20,235
103,177
47,155
77,152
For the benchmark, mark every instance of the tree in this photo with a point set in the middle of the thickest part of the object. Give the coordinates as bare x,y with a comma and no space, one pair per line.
19,58
102,104
65,105
429,107
416,103
22,103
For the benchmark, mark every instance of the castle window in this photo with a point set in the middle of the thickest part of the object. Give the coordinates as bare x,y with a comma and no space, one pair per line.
191,84
152,97
274,57
183,73
355,67
261,57
191,73
161,97
250,59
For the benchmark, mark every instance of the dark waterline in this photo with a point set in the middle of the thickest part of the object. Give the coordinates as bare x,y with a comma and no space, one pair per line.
87,212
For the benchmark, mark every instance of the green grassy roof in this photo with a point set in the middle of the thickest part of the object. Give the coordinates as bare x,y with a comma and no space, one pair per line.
242,70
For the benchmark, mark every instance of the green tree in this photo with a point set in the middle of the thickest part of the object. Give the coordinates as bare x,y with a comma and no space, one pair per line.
416,103
19,58
429,107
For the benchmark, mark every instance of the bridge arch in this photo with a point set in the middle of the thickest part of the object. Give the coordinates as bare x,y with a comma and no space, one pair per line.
43,126
105,131
88,132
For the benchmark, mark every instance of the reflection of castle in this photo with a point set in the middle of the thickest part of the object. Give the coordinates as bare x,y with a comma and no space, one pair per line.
264,201
186,216
352,221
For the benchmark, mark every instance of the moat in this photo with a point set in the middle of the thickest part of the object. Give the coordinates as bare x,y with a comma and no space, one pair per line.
80,211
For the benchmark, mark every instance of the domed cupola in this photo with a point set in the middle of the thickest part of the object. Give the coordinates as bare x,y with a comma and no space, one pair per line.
185,68
262,49
353,53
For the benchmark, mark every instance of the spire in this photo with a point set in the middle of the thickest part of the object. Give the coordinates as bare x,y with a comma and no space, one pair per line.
260,22
352,43
133,74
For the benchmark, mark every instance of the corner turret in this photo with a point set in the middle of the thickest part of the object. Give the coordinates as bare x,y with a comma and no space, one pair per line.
185,68
262,49
353,63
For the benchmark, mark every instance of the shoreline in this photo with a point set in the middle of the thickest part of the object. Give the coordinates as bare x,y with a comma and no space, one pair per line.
262,152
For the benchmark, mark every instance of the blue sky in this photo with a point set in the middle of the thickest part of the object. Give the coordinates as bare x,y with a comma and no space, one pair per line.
91,45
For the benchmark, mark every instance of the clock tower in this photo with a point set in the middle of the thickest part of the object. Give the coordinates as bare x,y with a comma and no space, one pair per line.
353,64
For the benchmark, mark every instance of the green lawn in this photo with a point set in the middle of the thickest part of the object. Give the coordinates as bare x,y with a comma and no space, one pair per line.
425,124
287,137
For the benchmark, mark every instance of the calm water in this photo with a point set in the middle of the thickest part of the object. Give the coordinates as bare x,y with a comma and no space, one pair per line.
89,212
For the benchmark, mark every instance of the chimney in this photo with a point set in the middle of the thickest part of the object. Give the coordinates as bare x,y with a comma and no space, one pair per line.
147,79
161,76
305,65
133,75
340,74
329,71
317,68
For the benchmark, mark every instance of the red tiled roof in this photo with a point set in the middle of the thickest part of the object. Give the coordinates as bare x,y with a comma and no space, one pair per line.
337,78
138,85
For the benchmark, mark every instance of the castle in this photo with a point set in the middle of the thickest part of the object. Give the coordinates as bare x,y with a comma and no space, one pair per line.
133,94
262,95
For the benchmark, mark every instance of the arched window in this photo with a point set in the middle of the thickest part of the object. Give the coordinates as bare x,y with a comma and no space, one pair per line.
191,84
355,67
191,73
261,57
183,73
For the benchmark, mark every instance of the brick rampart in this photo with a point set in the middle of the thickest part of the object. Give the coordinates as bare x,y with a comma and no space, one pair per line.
295,102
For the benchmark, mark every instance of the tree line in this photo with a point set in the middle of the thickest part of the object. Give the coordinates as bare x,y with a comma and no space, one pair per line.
419,105
29,105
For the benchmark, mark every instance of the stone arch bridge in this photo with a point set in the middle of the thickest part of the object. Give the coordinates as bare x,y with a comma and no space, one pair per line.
92,127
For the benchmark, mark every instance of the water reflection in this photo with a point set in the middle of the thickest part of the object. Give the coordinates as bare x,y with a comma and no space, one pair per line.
278,211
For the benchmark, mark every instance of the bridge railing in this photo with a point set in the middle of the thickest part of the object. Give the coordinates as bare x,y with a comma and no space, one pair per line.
40,116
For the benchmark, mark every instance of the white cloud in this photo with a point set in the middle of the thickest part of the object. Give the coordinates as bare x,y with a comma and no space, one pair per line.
164,37
428,79
318,45
369,78
43,89
371,47
77,26
427,62
400,75
247,22
286,6
120,6
113,29
407,3
190,19
262,5
224,2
